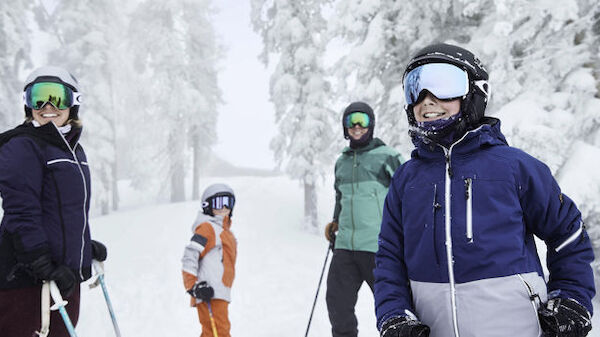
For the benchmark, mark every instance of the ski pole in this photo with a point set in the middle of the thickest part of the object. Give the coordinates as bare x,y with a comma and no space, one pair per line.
45,319
98,266
330,247
212,320
59,304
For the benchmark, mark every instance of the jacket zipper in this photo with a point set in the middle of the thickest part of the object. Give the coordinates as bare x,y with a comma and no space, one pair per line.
469,197
85,197
447,227
379,207
352,199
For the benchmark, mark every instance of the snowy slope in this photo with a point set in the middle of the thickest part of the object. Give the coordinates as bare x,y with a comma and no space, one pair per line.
278,267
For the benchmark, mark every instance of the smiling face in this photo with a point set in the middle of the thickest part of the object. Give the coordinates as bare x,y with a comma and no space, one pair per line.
431,108
50,113
356,132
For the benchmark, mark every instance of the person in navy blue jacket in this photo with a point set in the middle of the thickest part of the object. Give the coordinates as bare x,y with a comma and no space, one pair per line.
457,255
45,189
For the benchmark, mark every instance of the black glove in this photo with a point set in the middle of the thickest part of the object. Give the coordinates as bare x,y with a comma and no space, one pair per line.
44,269
564,317
98,251
202,291
404,326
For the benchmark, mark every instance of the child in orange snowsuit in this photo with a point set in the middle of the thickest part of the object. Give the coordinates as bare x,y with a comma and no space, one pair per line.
209,261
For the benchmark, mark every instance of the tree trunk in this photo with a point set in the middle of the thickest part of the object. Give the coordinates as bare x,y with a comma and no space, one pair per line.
310,207
196,164
115,185
104,203
176,170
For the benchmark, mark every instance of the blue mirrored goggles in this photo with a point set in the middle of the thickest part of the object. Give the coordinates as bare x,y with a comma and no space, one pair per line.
443,80
221,201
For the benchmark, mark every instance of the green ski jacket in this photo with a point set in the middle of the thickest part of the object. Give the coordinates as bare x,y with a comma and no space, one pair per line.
362,178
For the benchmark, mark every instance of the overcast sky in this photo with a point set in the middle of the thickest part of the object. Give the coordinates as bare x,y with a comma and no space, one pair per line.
246,120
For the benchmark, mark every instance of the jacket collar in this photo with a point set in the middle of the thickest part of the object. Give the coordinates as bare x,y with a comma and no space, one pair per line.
48,133
223,222
374,143
486,135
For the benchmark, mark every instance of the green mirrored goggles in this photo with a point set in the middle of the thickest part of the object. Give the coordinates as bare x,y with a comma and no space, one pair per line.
57,94
360,118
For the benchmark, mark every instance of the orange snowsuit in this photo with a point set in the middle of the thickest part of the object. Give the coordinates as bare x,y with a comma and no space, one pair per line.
210,256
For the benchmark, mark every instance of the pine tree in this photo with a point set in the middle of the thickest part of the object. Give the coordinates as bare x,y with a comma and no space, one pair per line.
15,44
176,52
294,31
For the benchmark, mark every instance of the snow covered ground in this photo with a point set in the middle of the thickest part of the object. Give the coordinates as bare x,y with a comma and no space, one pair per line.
278,266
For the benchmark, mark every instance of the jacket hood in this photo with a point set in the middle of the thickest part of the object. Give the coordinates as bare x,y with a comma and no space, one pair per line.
374,143
487,134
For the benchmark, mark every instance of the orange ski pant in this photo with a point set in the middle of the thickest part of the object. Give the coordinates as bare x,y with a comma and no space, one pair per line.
220,315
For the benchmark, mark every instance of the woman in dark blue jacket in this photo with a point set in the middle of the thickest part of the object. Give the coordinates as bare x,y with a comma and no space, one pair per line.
457,255
45,188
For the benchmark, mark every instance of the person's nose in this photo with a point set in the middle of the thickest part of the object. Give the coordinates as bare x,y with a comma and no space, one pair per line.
429,99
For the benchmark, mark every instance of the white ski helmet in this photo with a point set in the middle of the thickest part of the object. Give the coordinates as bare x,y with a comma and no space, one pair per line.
216,190
53,74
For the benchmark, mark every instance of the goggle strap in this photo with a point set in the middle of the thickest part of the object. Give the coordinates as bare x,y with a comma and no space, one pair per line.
76,98
483,86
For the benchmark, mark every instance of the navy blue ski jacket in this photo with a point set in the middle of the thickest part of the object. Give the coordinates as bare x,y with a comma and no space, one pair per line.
45,189
470,213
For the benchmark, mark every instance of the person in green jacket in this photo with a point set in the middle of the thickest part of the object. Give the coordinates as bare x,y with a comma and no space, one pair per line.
363,173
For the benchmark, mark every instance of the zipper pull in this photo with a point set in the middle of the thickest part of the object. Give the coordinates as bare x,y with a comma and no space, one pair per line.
467,185
449,165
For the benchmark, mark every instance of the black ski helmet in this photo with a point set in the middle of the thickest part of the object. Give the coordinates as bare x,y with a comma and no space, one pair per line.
475,101
212,191
359,107
53,74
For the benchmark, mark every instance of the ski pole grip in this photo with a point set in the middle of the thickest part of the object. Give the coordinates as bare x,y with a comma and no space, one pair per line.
98,267
55,293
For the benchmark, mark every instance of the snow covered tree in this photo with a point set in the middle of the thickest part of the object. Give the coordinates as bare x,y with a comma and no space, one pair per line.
293,30
85,44
176,54
15,47
382,35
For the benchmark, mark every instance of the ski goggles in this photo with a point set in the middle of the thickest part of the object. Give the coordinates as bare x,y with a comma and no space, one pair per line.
221,201
57,94
354,118
445,81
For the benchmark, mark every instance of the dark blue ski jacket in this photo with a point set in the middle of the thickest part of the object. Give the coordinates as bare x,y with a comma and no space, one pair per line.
45,189
458,222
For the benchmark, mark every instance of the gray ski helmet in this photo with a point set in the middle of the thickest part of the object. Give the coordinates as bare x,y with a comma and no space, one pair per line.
53,74
212,191
474,103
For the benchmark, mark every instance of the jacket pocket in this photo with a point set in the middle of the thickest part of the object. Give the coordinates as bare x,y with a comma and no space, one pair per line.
469,209
436,206
534,297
